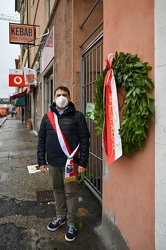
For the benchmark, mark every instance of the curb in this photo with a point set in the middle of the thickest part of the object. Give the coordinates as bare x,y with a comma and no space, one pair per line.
1,123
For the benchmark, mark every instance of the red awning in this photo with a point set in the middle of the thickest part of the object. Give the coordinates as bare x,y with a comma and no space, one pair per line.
18,95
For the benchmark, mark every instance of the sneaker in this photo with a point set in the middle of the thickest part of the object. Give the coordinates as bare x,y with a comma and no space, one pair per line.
71,233
56,223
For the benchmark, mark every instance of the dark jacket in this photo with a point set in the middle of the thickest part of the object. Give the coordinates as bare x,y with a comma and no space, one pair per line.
74,127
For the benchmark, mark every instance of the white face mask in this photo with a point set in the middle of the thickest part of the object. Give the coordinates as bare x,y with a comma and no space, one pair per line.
62,101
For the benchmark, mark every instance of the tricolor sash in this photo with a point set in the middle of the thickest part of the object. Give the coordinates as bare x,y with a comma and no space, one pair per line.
70,168
111,137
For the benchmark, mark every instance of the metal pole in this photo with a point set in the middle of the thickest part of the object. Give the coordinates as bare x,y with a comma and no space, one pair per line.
89,13
91,34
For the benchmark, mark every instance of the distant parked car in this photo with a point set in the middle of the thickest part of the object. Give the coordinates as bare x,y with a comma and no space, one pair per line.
3,112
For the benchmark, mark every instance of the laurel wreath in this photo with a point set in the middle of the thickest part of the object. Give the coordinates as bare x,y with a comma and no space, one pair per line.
132,75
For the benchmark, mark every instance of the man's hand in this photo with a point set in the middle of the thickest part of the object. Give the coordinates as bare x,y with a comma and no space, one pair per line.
43,169
81,169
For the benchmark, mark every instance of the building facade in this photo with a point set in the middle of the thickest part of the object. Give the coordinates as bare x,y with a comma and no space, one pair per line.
73,39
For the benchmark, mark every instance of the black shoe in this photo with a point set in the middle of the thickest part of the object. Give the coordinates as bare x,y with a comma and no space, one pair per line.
71,233
56,223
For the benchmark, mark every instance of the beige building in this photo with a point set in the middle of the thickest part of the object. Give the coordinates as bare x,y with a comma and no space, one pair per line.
56,53
73,39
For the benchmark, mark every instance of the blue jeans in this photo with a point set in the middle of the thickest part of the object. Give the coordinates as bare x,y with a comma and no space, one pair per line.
65,195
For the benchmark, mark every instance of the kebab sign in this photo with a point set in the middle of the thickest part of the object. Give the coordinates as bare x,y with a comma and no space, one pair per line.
21,34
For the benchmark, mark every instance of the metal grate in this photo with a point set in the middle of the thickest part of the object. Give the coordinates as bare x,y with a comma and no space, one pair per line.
44,196
91,67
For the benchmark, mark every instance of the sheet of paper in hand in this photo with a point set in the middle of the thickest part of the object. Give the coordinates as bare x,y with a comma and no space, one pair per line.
33,169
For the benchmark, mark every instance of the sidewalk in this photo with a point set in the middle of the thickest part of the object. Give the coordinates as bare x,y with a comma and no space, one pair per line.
23,219
2,120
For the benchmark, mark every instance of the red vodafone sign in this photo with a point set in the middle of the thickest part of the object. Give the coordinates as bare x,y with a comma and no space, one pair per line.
16,78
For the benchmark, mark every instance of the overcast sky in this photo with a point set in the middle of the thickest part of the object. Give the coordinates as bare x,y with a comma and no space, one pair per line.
8,52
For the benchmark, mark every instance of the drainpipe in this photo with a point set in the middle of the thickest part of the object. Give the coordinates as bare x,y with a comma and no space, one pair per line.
48,9
28,100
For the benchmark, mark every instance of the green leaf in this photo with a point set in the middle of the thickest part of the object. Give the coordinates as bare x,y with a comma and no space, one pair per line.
151,107
150,96
138,132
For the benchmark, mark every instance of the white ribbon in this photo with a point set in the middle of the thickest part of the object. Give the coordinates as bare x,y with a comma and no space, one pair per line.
62,142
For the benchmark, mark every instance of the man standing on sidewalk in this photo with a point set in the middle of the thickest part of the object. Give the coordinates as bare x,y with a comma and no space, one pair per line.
64,139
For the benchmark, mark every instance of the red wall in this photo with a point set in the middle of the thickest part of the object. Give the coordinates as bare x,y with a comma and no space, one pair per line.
128,184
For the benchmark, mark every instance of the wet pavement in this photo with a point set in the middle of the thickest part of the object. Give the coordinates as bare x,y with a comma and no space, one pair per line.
23,220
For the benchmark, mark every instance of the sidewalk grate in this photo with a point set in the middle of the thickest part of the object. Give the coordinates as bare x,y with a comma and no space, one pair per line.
45,196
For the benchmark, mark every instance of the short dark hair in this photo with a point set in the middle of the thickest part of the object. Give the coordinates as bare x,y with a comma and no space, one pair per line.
62,88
